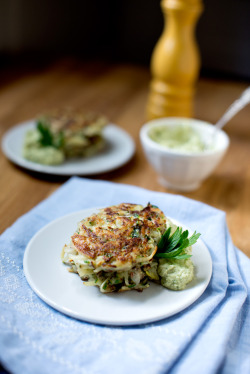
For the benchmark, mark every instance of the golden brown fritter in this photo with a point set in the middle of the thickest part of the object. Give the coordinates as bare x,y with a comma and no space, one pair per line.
124,234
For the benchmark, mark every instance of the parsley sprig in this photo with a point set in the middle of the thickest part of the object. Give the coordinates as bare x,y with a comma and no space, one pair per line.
47,138
173,246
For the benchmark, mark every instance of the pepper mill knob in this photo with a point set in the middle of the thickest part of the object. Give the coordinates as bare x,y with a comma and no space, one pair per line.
175,61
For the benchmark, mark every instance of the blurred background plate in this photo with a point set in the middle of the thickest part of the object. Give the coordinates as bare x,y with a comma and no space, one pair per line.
118,150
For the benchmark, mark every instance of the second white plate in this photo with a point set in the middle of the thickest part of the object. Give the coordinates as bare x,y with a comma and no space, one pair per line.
64,291
119,150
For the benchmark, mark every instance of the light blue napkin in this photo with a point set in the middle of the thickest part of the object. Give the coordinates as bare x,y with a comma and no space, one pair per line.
211,336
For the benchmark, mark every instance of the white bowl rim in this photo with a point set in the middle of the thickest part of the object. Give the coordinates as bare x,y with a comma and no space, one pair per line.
171,151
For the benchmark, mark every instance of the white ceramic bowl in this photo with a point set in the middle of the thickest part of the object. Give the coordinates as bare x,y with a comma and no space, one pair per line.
184,171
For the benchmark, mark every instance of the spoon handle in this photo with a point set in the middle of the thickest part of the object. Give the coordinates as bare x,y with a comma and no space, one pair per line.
234,108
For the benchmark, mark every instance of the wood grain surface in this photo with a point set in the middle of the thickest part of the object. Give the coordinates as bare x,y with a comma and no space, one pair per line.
120,92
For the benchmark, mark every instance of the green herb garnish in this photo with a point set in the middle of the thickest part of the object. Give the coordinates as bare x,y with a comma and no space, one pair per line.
47,138
45,133
173,246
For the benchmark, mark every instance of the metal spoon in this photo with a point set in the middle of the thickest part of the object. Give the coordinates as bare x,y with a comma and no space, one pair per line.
234,108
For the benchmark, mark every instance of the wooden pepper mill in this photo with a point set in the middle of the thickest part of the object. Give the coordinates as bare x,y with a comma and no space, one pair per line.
175,62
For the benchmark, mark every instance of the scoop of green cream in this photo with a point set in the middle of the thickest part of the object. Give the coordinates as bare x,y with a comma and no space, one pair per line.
46,155
179,137
175,274
33,151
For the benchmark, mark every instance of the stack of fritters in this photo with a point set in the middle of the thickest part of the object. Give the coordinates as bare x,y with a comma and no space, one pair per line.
63,134
114,249
81,132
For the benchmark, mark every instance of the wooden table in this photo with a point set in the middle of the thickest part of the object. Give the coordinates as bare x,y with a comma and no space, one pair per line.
120,92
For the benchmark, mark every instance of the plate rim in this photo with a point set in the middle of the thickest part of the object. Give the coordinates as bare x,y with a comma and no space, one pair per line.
99,321
52,169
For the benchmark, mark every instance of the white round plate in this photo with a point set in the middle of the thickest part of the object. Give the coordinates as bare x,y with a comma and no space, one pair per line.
119,149
64,291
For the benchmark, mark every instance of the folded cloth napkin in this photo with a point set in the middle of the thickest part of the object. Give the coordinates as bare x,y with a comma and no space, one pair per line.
210,336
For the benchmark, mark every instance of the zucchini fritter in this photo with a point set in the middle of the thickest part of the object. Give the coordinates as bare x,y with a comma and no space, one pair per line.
114,249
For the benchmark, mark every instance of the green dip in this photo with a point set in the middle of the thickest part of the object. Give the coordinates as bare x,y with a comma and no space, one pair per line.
178,137
175,274
35,152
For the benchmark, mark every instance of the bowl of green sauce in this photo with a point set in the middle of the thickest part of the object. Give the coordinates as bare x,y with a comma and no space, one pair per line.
183,151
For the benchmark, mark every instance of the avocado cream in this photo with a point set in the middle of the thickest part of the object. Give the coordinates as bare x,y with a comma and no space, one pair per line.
177,137
35,152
